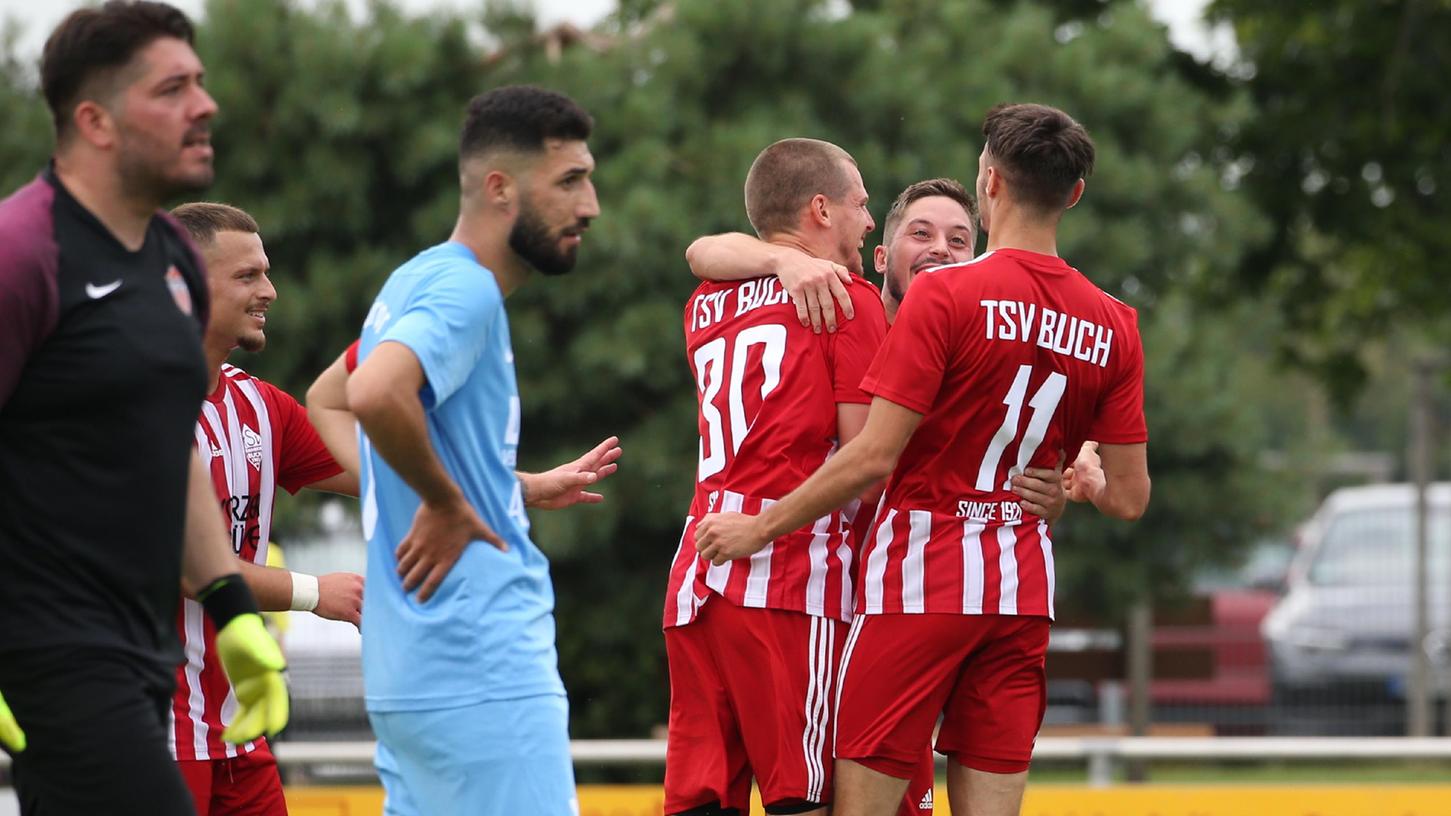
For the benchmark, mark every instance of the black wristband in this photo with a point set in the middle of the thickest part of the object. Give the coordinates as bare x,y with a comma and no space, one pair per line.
226,598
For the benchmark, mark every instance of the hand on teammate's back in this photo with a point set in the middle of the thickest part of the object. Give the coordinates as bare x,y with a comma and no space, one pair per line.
565,485
10,734
1040,492
435,542
1085,479
816,286
340,597
723,537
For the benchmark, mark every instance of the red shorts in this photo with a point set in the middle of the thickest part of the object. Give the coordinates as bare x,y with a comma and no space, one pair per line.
246,785
918,800
750,691
983,673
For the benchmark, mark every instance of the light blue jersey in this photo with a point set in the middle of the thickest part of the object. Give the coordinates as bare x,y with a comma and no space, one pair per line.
488,632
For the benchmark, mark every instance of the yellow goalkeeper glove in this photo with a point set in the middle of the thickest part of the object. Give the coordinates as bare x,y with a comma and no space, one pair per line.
10,734
251,658
254,664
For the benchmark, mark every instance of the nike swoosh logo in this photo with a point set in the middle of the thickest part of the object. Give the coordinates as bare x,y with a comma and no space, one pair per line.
97,292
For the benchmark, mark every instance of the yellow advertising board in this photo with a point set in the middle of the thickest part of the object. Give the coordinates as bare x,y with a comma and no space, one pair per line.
1043,800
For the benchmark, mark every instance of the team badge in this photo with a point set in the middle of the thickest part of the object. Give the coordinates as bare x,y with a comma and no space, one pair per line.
179,291
252,444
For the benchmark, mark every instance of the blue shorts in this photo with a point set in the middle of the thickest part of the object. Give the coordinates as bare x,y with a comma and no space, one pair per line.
503,757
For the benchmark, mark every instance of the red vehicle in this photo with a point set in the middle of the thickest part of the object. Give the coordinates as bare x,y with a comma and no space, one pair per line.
1211,666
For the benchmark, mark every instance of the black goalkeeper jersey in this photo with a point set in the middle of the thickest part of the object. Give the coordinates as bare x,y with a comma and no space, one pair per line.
101,378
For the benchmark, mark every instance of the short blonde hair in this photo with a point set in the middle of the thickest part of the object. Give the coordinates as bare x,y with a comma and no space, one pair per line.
787,175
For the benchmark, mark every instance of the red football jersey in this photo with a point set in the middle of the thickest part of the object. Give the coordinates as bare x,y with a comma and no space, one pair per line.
1013,358
767,391
255,438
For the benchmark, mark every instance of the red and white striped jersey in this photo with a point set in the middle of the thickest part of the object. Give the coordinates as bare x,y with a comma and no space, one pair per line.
767,391
255,437
1014,359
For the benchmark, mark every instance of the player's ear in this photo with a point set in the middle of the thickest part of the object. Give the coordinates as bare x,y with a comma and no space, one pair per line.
820,209
500,189
994,185
94,124
1077,193
879,259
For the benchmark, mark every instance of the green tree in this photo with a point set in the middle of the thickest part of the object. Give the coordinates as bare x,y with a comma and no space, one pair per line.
26,137
1348,159
339,134
684,106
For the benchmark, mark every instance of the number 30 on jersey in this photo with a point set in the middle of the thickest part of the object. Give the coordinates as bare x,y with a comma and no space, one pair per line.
711,362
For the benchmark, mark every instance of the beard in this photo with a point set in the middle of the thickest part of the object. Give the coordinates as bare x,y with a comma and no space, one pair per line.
145,177
253,342
530,240
896,287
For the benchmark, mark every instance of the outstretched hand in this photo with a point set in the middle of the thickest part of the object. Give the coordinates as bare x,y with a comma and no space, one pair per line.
566,485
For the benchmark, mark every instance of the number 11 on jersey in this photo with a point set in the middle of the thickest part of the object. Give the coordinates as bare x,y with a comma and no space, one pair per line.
1044,404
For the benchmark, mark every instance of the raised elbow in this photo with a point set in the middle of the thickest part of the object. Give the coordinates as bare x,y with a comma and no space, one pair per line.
696,257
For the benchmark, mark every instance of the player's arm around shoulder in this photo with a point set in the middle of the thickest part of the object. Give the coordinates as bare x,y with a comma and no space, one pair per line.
818,287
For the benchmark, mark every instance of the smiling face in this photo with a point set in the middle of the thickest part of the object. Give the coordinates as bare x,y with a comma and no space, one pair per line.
556,203
241,292
161,122
933,231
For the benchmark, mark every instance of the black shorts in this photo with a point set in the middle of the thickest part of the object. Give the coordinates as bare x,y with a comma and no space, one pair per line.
95,724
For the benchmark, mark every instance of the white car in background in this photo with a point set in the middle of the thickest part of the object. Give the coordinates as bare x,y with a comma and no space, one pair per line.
1340,638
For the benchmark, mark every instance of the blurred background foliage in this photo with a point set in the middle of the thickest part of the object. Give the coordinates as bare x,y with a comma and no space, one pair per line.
1276,220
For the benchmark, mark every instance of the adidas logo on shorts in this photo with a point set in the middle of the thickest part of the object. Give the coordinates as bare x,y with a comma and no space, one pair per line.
926,803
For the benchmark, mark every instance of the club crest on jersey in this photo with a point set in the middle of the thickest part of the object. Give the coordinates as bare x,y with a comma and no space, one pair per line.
252,444
178,288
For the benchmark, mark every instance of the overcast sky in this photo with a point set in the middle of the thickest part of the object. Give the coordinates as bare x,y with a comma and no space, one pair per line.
38,18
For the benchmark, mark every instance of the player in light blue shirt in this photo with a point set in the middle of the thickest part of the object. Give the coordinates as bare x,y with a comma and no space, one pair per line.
459,663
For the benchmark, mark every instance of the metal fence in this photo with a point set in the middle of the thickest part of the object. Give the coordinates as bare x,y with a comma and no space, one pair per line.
1102,755
1307,639
1316,639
